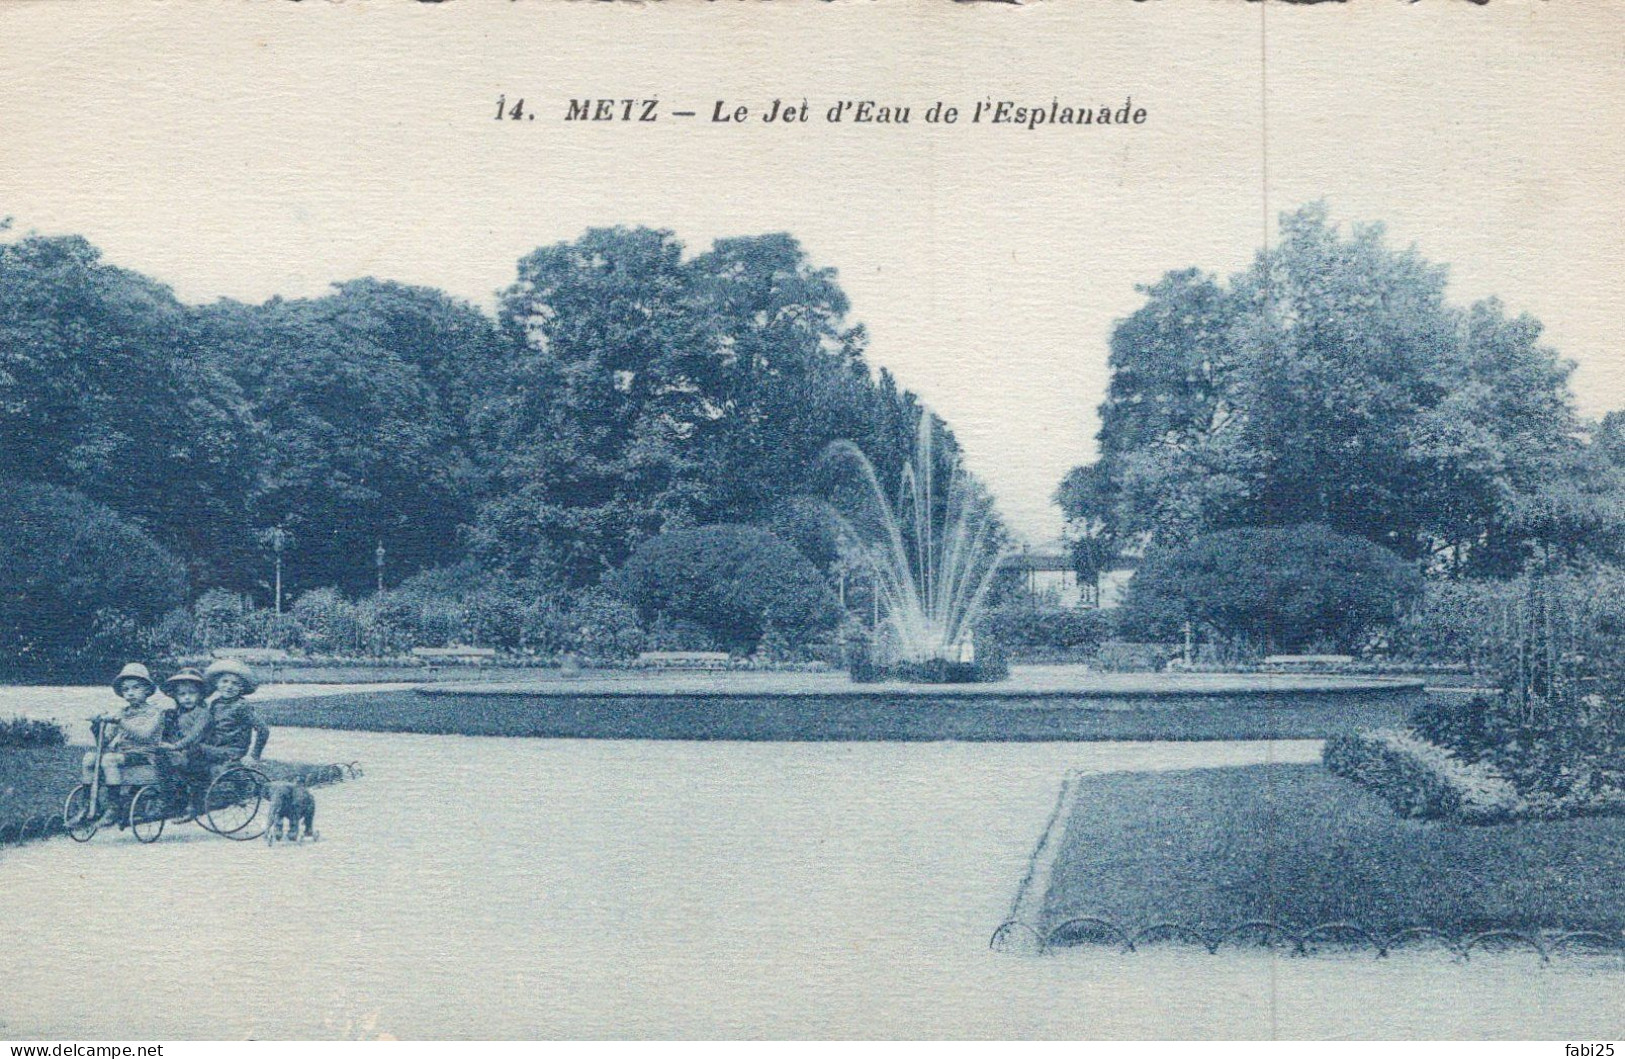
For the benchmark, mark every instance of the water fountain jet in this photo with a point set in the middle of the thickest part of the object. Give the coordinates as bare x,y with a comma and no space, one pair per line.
932,559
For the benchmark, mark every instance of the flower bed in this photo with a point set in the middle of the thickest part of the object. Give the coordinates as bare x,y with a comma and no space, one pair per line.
1232,852
1420,779
24,732
1563,757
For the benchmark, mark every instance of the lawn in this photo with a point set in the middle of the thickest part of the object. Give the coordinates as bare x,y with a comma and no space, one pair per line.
1297,846
35,782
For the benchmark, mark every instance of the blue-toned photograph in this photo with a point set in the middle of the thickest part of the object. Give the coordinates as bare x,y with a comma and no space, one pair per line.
682,522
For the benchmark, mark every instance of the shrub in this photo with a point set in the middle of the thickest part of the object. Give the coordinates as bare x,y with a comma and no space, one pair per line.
220,619
77,582
459,604
1023,621
380,636
943,671
1555,646
1282,588
542,626
675,634
1462,724
328,623
732,581
266,628
176,634
863,660
860,655
25,732
1119,656
1455,622
775,647
992,660
463,605
1558,656
429,609
810,526
1420,779
493,616
438,607
600,624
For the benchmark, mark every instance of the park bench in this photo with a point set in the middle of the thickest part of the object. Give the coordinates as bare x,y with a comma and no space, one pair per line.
465,655
1308,661
252,655
684,659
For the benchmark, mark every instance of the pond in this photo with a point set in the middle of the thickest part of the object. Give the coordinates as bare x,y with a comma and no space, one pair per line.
496,887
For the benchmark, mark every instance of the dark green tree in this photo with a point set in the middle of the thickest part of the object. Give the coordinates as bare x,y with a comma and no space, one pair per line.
1331,383
105,387
77,582
357,397
642,393
791,376
582,434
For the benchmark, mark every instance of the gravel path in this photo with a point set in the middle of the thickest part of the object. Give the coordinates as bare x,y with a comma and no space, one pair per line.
512,888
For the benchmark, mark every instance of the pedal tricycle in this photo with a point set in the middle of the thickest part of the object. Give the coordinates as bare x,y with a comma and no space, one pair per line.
130,782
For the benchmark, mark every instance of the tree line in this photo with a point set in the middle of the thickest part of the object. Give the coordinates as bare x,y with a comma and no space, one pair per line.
1332,385
623,388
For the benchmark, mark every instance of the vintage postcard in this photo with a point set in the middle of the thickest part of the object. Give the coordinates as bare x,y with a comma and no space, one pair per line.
880,520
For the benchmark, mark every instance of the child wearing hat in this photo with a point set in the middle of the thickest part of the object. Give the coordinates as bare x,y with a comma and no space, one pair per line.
138,727
236,732
188,726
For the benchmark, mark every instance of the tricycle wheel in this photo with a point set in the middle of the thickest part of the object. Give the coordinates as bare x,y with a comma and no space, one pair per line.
232,803
79,815
148,810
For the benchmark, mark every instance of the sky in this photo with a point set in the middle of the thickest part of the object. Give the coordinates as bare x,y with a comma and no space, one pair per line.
247,149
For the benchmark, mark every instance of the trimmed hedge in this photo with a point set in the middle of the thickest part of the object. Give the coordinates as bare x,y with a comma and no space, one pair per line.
740,586
1420,779
1023,622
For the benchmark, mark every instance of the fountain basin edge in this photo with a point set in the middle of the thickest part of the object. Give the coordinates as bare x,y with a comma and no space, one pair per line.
706,707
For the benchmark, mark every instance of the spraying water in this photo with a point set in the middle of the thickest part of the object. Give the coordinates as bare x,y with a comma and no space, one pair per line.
932,558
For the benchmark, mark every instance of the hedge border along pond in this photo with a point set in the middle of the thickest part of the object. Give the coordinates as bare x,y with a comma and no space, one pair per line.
983,714
1293,854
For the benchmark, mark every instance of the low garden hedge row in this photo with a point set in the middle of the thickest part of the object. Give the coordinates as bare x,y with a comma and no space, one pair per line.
27,732
1422,780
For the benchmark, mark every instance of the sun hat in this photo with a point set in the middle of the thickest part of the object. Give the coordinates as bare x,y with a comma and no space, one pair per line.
134,671
221,667
184,676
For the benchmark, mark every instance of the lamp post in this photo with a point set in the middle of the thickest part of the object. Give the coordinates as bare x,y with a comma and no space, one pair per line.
279,539
379,557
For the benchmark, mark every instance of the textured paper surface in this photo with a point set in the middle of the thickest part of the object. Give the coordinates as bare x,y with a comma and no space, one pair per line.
246,150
